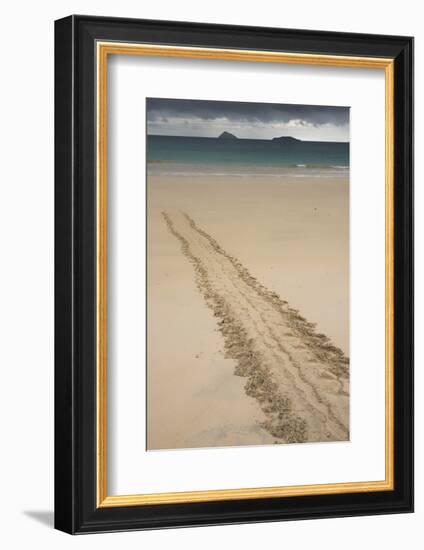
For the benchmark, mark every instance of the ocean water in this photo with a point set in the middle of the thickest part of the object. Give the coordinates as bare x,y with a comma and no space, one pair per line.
179,156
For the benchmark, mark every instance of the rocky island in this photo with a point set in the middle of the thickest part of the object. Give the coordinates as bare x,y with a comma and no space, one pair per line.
286,139
227,135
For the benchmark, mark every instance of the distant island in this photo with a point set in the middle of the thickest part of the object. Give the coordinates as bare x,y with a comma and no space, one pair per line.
227,135
286,139
280,139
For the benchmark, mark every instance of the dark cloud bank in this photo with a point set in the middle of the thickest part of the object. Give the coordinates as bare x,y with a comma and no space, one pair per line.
261,120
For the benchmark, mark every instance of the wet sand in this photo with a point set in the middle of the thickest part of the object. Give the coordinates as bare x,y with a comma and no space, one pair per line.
230,362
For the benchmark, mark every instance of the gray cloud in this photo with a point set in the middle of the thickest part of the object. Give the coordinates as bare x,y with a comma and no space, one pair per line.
261,120
252,113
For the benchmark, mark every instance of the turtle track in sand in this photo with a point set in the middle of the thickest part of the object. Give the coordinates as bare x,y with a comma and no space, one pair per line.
299,378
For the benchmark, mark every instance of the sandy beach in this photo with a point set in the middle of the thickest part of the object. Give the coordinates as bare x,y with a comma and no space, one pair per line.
230,260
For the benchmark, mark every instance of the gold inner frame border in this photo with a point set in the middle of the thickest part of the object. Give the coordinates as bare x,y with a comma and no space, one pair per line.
103,50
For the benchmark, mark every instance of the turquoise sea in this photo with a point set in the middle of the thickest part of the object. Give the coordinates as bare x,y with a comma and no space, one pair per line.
174,155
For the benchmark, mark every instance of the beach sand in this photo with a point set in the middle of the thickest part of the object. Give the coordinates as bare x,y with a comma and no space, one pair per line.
291,235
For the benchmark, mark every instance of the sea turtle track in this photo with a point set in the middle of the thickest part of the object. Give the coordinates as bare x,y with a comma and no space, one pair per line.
299,378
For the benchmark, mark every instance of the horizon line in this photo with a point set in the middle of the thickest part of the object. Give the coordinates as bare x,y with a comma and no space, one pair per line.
248,139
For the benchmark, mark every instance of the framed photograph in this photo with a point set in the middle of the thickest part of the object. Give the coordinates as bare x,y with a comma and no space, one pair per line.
233,273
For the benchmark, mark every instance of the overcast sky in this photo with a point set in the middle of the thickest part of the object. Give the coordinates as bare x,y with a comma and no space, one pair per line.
186,117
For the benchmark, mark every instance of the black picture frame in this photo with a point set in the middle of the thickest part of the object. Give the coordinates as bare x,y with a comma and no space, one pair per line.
76,509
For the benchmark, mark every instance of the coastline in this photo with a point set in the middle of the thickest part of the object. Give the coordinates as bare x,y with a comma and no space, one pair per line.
166,168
